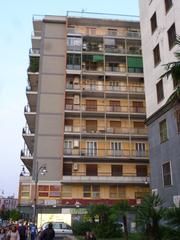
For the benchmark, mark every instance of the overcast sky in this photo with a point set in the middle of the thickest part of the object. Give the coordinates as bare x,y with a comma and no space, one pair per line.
15,41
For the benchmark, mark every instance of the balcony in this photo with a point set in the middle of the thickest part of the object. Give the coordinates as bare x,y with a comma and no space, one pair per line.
31,96
105,153
33,80
34,52
92,44
133,34
34,64
73,87
27,159
30,115
28,138
72,129
106,177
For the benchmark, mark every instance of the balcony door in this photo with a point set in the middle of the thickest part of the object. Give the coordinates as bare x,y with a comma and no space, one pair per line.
116,149
91,105
137,106
140,149
114,106
91,148
91,126
68,147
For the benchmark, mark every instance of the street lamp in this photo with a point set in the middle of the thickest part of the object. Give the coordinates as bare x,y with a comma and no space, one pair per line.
42,170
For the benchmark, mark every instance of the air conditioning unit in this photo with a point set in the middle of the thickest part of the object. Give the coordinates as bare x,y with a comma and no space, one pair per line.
75,166
76,143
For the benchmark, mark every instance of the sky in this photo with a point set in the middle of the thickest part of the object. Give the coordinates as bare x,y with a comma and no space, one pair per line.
15,42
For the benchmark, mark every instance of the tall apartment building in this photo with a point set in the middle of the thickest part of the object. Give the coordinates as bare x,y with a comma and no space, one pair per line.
85,114
159,26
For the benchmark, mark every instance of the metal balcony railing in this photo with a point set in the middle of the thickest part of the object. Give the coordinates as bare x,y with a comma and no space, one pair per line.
103,108
34,51
94,152
114,49
26,153
104,130
115,69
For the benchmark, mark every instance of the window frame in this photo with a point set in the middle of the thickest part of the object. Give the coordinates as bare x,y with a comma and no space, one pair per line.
171,32
170,173
167,6
153,21
160,91
163,138
156,55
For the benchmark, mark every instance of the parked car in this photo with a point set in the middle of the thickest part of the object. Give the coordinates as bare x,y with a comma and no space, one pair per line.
60,228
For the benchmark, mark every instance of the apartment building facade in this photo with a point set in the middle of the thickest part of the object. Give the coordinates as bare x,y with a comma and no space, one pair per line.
159,26
85,114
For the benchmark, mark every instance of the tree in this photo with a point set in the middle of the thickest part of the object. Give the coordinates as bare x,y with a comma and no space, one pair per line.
122,209
149,214
172,230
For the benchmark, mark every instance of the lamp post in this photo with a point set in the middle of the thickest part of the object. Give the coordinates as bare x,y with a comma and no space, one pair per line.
42,170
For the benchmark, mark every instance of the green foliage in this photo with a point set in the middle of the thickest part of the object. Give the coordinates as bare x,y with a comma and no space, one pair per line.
107,230
149,214
14,215
34,64
80,227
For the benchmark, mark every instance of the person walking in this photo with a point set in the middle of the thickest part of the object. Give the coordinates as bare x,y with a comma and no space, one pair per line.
13,234
2,234
22,231
33,231
48,233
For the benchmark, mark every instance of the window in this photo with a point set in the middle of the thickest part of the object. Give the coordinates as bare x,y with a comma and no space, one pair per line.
177,116
67,169
66,191
168,4
160,91
138,107
172,36
91,31
116,170
91,148
112,32
68,147
153,22
166,171
25,191
116,149
140,150
74,44
141,170
43,190
91,170
163,131
116,191
156,54
91,191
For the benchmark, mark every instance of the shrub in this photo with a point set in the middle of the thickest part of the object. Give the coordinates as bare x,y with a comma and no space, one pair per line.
80,227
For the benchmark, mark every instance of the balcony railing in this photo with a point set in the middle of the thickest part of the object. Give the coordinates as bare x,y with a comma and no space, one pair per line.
104,130
26,153
92,47
98,68
103,108
74,48
115,69
94,152
73,67
115,49
34,51
70,86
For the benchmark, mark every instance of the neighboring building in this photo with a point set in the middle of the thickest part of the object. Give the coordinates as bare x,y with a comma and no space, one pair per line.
8,203
160,22
85,114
